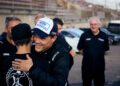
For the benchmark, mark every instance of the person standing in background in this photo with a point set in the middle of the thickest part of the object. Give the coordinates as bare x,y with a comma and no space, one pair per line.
7,48
61,40
93,43
39,16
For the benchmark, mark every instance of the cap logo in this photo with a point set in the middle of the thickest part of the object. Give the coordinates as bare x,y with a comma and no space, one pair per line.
44,25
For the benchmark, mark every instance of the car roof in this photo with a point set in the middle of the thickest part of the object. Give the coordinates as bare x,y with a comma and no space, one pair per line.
115,21
74,31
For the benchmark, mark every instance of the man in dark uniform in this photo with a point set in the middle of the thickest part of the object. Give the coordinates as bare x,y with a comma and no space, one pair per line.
93,43
7,26
61,40
7,48
57,69
4,33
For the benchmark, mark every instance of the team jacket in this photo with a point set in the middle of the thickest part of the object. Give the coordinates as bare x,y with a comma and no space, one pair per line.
61,41
94,48
55,70
18,78
7,52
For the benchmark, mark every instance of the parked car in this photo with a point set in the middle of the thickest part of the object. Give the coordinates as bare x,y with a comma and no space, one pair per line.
72,36
114,26
113,38
84,29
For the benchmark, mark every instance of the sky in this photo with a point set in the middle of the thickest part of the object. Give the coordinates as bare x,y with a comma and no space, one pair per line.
113,4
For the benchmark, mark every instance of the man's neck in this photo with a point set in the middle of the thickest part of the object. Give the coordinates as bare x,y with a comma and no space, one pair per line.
9,40
96,33
23,49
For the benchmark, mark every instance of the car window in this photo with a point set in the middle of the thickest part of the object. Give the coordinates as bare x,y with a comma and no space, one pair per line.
75,32
106,31
115,28
84,29
65,33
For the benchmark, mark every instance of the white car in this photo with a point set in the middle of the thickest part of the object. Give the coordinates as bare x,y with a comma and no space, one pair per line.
72,36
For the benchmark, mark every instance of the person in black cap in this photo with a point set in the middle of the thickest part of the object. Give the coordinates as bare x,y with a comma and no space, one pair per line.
55,73
7,48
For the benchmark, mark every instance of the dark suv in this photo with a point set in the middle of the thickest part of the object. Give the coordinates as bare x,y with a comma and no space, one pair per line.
113,38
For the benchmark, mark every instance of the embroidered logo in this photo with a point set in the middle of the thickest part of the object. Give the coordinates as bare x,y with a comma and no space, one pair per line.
18,78
101,39
6,54
88,39
44,25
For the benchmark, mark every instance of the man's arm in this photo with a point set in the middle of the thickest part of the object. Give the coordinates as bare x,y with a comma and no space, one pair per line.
81,43
72,53
68,48
0,69
59,74
1,64
106,43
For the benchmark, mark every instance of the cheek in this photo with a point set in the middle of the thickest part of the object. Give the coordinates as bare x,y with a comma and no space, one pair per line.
41,46
9,30
59,31
49,44
93,26
38,48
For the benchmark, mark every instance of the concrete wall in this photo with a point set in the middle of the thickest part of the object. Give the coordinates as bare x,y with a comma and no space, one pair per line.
25,18
30,20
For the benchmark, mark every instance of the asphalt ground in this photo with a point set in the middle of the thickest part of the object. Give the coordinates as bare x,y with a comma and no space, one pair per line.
112,72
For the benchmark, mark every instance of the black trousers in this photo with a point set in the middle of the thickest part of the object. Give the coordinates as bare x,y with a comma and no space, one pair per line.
98,78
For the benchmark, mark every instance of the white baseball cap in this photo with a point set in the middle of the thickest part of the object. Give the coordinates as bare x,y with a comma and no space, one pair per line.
45,27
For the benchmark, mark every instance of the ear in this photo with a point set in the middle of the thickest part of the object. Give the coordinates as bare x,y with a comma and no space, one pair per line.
32,38
13,42
54,38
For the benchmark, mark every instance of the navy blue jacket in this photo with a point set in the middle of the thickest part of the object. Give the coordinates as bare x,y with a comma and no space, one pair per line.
61,41
7,52
94,48
55,70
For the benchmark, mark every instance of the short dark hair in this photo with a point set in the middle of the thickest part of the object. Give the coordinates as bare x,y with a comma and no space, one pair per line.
22,42
21,34
58,21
